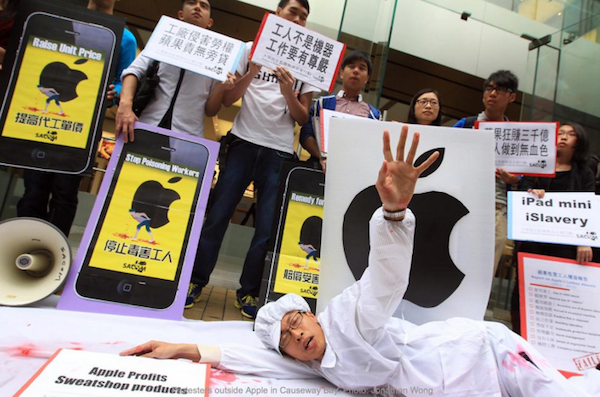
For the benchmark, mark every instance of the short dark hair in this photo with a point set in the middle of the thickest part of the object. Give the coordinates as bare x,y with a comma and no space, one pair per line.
184,1
503,78
304,3
355,56
582,149
412,118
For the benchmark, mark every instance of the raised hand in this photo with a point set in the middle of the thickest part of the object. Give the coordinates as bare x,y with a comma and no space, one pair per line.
397,178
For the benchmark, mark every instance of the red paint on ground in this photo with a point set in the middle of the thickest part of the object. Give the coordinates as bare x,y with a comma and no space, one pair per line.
113,343
219,377
25,350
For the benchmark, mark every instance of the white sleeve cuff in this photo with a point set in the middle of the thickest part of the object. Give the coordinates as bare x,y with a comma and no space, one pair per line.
210,354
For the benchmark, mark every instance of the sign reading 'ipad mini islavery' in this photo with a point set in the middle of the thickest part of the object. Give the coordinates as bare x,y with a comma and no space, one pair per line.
559,218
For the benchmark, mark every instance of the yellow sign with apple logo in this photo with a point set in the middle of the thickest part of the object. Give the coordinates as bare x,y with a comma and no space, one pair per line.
146,223
56,94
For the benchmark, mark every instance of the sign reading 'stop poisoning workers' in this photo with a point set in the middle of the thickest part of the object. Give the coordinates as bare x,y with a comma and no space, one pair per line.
192,48
526,148
311,57
558,218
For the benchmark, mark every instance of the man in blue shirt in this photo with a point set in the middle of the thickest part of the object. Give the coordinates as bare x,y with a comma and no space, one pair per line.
128,46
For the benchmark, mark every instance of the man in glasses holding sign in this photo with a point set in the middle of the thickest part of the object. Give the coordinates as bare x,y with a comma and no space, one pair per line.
262,137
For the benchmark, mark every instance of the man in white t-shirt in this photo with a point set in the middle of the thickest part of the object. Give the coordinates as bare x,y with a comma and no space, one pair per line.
181,98
262,137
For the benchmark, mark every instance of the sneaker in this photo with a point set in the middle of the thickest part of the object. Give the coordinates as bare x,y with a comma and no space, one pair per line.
193,295
247,306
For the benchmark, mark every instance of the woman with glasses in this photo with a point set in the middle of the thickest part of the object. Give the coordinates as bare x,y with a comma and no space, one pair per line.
572,175
425,108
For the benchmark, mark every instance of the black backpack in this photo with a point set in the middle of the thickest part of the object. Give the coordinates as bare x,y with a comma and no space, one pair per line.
470,122
146,87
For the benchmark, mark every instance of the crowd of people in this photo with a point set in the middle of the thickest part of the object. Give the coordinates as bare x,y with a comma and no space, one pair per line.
262,138
356,330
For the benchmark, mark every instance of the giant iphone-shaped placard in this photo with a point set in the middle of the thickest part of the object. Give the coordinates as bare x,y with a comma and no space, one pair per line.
138,250
453,204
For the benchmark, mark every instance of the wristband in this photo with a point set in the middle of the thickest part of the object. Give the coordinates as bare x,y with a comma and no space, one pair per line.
393,216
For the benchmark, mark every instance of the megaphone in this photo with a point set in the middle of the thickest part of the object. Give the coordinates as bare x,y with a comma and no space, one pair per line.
35,258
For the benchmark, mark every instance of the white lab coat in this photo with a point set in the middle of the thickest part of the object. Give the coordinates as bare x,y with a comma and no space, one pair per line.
367,349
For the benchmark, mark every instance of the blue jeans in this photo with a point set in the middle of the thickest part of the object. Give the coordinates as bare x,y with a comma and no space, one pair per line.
245,162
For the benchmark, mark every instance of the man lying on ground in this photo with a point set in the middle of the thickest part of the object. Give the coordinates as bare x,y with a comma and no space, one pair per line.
357,345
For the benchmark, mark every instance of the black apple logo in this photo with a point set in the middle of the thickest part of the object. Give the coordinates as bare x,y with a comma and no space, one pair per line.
63,79
433,276
310,233
153,199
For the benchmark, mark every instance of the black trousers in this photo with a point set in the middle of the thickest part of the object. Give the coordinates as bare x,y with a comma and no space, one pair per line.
52,197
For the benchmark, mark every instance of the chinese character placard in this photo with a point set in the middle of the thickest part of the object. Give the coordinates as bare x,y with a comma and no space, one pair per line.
195,49
560,310
525,148
311,57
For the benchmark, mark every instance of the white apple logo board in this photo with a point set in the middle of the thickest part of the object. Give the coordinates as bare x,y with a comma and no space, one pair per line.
454,206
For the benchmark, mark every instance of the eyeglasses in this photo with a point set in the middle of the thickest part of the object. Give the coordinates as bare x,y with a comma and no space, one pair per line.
499,89
294,323
433,102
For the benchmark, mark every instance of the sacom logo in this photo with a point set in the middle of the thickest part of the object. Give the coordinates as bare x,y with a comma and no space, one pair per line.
540,164
589,236
49,136
314,290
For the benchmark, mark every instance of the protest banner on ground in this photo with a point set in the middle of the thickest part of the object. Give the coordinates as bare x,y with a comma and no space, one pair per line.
81,373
